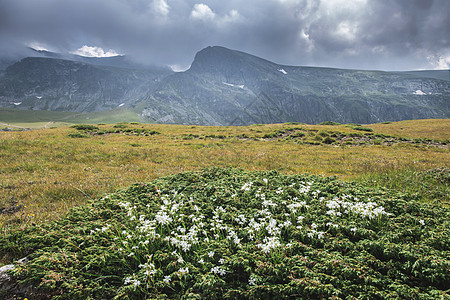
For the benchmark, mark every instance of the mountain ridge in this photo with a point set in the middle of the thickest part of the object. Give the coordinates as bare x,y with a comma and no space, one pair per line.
246,89
226,87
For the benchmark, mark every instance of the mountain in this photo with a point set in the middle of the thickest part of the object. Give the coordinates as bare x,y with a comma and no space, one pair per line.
52,83
223,87
227,87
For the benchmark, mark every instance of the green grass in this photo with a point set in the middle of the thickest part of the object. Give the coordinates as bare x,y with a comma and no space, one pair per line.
20,119
44,173
227,234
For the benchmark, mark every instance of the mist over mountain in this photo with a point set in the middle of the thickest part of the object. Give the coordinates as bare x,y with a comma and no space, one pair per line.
82,84
224,87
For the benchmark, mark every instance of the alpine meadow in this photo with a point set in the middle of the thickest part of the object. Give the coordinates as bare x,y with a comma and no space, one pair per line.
186,149
137,211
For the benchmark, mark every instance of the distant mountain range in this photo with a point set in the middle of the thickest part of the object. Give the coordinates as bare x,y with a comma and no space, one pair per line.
222,87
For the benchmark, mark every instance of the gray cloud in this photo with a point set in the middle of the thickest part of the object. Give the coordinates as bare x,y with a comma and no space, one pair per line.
368,34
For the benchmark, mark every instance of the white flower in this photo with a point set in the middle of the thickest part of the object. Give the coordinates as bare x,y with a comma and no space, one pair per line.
163,218
211,254
221,261
269,244
218,270
353,229
246,186
167,279
130,279
183,270
422,222
201,261
252,280
265,180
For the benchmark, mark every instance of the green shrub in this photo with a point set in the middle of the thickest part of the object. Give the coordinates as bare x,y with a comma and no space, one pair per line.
77,135
362,128
323,133
329,123
328,140
227,234
85,127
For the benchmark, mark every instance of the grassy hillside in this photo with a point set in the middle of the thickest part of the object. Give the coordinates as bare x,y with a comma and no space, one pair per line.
46,172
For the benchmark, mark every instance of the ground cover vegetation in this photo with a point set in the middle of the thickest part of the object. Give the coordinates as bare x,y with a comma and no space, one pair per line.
387,230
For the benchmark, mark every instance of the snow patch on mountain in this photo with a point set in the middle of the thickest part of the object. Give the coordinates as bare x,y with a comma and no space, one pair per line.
241,86
419,92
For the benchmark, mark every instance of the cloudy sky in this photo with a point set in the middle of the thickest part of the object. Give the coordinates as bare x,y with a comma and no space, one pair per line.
363,34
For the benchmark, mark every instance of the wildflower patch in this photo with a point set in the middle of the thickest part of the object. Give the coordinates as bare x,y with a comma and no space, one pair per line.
226,233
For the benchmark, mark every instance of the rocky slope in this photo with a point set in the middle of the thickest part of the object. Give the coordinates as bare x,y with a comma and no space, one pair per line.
223,87
226,87
42,83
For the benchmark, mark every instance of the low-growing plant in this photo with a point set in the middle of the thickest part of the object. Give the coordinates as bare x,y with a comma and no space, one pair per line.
120,126
226,233
329,123
77,135
85,127
359,128
328,140
323,133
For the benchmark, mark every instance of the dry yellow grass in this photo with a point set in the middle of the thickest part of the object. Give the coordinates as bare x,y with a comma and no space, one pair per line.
47,171
432,129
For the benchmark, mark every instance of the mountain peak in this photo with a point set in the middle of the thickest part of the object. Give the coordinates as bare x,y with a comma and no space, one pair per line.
212,59
221,60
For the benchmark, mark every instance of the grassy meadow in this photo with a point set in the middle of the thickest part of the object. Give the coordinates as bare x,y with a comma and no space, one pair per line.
46,172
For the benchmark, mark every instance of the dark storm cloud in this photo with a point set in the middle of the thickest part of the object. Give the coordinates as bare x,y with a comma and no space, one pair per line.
396,34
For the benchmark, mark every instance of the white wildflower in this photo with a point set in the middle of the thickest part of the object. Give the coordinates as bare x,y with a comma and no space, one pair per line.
163,218
218,270
246,186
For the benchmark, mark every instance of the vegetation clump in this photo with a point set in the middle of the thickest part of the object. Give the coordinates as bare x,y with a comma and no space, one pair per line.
77,135
227,233
85,127
119,128
329,123
360,128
